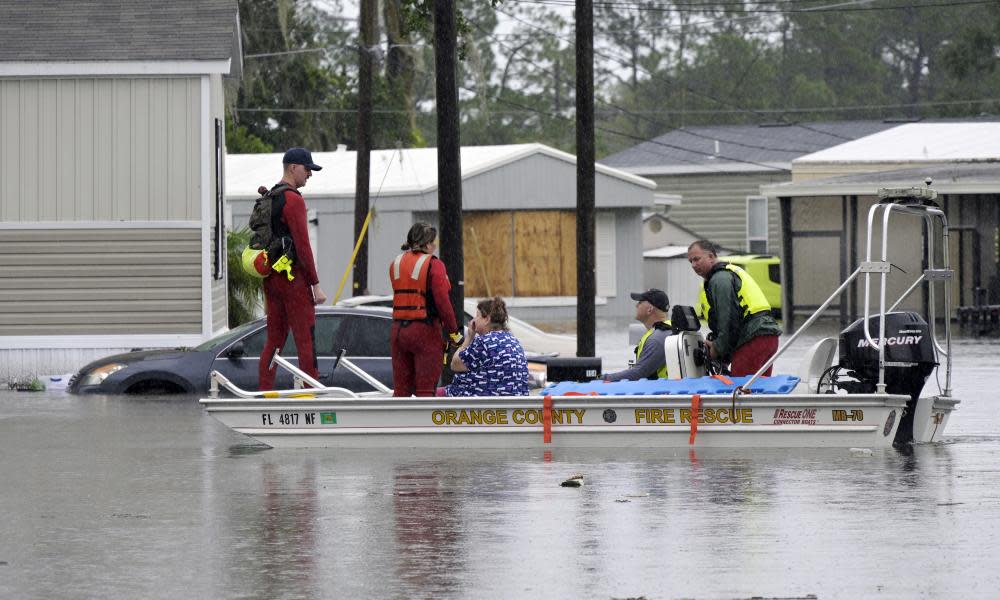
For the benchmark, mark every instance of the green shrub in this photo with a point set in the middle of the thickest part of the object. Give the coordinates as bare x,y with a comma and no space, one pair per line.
246,294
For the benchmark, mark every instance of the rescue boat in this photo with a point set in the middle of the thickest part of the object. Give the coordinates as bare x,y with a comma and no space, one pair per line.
869,394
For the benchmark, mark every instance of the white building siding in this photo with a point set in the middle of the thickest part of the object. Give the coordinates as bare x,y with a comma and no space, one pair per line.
100,281
541,182
715,206
99,149
675,277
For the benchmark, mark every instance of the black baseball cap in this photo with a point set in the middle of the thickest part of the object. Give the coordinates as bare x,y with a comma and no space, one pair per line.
657,298
300,156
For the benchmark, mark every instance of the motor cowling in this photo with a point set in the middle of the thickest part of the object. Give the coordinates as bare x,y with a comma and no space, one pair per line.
909,353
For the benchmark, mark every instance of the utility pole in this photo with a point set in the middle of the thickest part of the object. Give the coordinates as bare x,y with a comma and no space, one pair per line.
361,192
449,151
586,287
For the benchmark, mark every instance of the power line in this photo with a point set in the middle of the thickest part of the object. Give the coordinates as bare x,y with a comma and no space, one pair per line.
691,8
640,139
376,49
804,151
648,73
612,112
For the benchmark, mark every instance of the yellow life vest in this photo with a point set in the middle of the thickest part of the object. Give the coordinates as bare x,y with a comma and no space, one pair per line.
661,373
751,298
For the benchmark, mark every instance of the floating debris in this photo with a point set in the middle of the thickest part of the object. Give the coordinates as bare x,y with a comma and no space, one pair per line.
622,499
574,481
861,451
35,385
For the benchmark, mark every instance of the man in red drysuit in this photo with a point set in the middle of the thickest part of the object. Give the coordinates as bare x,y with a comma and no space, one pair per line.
290,300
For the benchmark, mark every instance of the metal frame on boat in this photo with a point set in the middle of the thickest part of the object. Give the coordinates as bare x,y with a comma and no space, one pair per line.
842,414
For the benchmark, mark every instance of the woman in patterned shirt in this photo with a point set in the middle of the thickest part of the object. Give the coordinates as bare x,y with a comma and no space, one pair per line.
491,361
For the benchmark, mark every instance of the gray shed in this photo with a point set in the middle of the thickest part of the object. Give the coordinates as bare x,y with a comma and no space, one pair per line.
111,145
519,205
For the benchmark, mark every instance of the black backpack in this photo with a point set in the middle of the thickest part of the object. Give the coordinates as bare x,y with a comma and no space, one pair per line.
269,233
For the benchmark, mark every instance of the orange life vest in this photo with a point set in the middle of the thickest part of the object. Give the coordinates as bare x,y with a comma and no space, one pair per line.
409,274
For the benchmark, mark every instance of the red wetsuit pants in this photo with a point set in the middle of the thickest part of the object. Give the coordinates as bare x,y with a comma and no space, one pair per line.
752,355
417,357
290,307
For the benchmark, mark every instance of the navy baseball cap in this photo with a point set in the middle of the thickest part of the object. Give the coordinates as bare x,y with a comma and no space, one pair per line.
657,298
300,156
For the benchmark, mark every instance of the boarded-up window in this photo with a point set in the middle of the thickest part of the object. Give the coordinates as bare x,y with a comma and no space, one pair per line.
520,253
488,256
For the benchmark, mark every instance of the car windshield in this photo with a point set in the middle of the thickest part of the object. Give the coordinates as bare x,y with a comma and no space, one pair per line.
225,338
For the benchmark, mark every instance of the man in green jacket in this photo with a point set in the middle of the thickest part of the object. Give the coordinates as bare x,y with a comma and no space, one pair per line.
743,332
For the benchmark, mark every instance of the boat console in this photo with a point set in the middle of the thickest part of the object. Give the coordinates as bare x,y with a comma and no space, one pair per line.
685,350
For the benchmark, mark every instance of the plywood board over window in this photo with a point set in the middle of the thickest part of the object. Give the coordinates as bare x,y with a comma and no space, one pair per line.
520,253
488,253
567,240
542,267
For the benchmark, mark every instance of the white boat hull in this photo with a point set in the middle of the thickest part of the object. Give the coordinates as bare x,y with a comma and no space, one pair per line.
759,421
931,418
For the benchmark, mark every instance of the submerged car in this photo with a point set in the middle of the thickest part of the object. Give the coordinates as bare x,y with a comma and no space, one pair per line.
363,332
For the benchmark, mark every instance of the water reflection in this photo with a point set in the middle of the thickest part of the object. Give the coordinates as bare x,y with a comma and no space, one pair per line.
428,527
275,549
111,498
238,450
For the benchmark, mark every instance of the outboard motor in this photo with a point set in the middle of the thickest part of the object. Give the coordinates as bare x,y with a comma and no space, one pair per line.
909,357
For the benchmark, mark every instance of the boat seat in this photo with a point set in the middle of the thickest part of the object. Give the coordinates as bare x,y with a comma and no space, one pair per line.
816,361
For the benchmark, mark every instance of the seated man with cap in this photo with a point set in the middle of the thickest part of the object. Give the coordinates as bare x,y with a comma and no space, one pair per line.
650,359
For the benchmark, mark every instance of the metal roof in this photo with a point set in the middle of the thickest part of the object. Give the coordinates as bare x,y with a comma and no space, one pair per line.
669,251
393,172
124,30
917,142
737,148
957,178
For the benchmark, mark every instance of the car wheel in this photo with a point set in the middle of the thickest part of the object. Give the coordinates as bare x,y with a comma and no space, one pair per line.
153,387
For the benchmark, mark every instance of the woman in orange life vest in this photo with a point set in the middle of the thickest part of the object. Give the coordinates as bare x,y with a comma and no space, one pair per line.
421,310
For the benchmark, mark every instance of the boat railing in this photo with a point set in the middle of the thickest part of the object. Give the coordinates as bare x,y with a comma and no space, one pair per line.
300,379
915,201
218,380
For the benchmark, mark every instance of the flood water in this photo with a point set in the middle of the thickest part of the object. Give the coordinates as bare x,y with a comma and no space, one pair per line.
120,497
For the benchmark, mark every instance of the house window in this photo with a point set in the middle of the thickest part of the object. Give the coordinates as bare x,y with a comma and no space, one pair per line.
757,224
